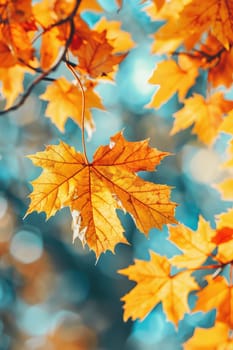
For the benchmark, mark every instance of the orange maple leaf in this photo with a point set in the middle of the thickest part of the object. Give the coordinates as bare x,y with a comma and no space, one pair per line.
225,248
51,44
207,115
96,56
214,338
196,246
155,284
223,235
119,39
94,190
15,44
195,18
90,5
172,78
12,83
218,61
65,100
218,294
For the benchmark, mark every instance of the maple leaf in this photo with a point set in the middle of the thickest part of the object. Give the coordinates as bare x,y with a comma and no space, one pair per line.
155,284
227,124
119,39
193,20
207,115
218,294
96,56
18,42
178,79
94,190
12,83
226,187
19,12
50,48
223,235
44,13
6,58
90,5
196,246
214,338
218,61
225,244
65,100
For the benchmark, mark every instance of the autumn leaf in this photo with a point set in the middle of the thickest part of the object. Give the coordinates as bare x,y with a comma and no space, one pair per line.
177,80
207,115
94,190
96,56
12,83
214,338
44,13
18,41
226,186
90,5
227,124
65,100
50,48
194,19
217,61
7,60
224,225
155,284
119,39
218,294
196,246
226,189
223,235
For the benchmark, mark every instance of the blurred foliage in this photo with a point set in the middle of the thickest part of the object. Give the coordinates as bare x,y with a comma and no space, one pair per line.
53,295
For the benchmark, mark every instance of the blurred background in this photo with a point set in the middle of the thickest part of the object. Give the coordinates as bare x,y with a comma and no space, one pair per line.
53,294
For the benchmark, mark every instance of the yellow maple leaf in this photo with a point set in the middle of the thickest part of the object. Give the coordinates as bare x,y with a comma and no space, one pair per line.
218,294
226,189
214,338
94,190
196,18
65,100
196,246
226,186
172,78
119,39
155,284
12,83
227,124
207,115
50,48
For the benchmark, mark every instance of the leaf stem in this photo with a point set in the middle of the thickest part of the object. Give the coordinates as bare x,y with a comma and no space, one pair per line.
231,274
83,109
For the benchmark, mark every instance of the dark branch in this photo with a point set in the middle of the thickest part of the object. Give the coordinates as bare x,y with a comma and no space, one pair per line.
72,64
44,75
197,54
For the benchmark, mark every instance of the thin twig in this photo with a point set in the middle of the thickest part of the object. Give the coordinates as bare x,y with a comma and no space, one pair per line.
45,74
83,109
